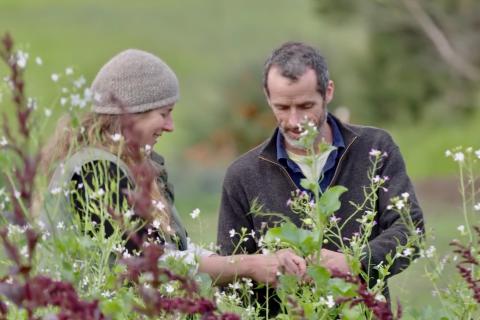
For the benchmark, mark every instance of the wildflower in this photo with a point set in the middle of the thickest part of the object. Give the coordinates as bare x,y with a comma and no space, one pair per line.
448,153
3,142
69,71
234,286
63,101
405,195
22,58
477,153
31,103
169,288
232,233
195,213
461,228
79,82
334,219
400,204
477,207
458,157
116,137
56,190
100,192
375,153
60,225
156,224
38,61
128,214
55,77
407,252
107,294
48,112
158,205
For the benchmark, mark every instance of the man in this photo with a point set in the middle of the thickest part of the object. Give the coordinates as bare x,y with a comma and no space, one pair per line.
297,87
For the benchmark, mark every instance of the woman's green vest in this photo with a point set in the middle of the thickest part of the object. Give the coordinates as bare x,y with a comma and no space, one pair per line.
57,207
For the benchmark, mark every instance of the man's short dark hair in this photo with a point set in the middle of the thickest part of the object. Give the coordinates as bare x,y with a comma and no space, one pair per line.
293,59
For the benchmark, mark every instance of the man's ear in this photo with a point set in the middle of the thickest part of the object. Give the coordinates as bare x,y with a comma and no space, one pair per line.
329,93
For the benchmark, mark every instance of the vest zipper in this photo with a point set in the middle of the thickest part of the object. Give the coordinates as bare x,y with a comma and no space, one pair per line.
283,169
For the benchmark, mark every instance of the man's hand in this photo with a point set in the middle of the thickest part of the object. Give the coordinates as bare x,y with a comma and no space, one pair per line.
334,261
291,263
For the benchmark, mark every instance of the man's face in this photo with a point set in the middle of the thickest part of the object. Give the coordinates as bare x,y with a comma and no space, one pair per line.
294,101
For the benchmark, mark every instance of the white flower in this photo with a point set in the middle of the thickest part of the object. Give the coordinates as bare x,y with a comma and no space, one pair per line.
461,228
100,192
116,137
399,204
79,82
232,233
56,190
405,195
375,153
156,224
234,286
195,213
38,61
3,142
129,214
48,112
60,225
107,294
458,157
329,301
407,252
448,153
22,58
169,288
477,207
158,204
477,153
69,71
63,101
55,77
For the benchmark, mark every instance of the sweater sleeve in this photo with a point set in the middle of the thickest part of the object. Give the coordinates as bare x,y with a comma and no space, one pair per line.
393,231
233,217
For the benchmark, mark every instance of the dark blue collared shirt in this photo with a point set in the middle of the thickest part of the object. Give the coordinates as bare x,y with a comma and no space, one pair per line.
328,170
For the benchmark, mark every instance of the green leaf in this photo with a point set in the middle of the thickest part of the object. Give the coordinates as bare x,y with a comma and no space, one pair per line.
319,274
342,288
299,239
288,283
308,185
354,313
330,200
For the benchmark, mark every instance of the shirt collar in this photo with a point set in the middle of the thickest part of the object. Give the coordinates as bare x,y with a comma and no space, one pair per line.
337,140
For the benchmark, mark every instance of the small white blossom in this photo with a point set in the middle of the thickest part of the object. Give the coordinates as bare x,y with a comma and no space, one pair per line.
407,252
461,228
54,77
100,192
63,101
375,153
22,58
169,288
48,112
405,195
60,225
477,153
232,233
156,224
56,190
128,214
3,142
458,157
477,207
448,153
38,61
400,204
116,137
195,213
69,71
158,204
234,286
79,82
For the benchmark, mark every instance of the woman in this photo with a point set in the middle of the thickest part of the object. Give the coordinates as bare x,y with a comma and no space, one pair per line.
140,87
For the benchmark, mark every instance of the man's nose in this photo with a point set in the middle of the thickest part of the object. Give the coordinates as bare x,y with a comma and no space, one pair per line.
293,118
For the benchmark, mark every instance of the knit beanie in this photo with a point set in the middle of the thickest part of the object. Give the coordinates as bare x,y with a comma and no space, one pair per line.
134,81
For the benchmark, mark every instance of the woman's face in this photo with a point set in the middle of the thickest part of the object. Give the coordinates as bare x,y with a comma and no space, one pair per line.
151,124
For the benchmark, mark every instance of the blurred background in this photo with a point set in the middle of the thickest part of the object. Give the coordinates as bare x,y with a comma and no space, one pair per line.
411,67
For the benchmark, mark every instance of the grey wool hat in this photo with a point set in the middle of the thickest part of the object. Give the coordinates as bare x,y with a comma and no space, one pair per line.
134,81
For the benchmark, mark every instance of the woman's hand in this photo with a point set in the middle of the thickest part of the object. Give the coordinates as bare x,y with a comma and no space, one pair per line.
267,268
